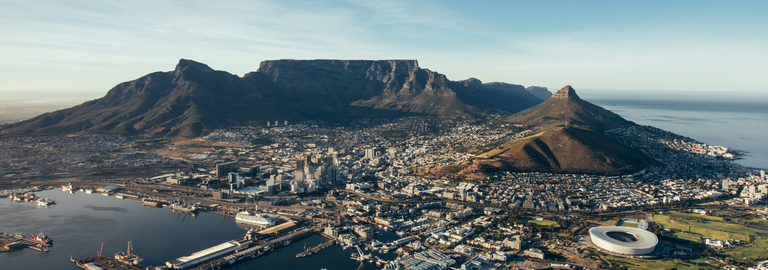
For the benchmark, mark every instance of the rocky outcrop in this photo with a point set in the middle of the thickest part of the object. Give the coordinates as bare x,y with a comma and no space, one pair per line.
193,98
566,92
566,108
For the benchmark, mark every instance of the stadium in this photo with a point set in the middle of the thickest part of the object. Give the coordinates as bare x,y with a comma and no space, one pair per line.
624,240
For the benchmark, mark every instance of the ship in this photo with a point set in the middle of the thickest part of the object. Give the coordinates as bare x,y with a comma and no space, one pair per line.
248,217
183,205
41,238
152,202
68,187
45,202
128,257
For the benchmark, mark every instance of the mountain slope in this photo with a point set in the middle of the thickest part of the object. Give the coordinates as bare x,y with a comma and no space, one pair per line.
569,138
565,107
194,99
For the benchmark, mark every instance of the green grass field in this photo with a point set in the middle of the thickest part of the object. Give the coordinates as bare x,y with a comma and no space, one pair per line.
684,236
758,248
692,215
544,223
630,225
662,264
760,220
710,229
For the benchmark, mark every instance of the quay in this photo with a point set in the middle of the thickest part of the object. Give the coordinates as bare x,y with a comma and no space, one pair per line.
316,249
101,262
11,242
232,252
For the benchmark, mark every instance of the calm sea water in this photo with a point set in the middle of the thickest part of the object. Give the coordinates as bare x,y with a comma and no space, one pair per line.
738,124
79,224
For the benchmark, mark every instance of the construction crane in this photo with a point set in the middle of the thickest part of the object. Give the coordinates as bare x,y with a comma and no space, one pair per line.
362,256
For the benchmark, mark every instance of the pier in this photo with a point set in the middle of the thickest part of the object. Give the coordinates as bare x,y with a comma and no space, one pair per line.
316,249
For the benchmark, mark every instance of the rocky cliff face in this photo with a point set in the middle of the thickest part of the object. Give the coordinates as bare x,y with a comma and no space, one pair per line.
193,98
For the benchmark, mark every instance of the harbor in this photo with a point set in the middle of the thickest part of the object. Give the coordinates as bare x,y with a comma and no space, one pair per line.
162,239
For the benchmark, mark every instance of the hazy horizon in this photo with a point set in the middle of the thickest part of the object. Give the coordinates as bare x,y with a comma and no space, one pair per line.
88,46
19,106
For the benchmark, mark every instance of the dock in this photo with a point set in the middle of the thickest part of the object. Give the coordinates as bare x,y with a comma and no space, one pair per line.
11,242
316,249
244,251
103,262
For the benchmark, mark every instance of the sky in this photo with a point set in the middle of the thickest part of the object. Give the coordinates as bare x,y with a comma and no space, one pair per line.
70,47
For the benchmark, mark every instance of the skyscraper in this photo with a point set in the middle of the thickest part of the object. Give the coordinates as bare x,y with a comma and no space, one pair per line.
332,176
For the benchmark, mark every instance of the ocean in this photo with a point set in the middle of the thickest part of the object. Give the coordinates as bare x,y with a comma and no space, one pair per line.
738,121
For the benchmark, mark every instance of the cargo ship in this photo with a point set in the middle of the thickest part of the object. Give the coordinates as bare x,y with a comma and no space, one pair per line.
184,206
41,238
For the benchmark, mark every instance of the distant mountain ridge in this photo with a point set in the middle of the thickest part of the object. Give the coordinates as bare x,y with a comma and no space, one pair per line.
194,99
539,92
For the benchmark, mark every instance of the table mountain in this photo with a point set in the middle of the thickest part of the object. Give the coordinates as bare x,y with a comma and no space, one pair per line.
194,99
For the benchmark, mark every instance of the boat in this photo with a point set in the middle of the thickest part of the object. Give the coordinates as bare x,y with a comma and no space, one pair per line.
39,247
259,219
41,238
120,197
183,205
105,194
89,191
68,187
128,257
45,202
152,202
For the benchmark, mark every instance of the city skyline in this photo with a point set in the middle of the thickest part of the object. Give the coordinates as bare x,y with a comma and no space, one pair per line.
89,47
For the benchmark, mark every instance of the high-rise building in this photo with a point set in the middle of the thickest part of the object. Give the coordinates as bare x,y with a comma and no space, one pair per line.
234,180
223,169
272,180
369,153
332,176
254,170
330,160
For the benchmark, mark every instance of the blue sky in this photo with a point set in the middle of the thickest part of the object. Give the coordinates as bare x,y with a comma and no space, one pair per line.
90,46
